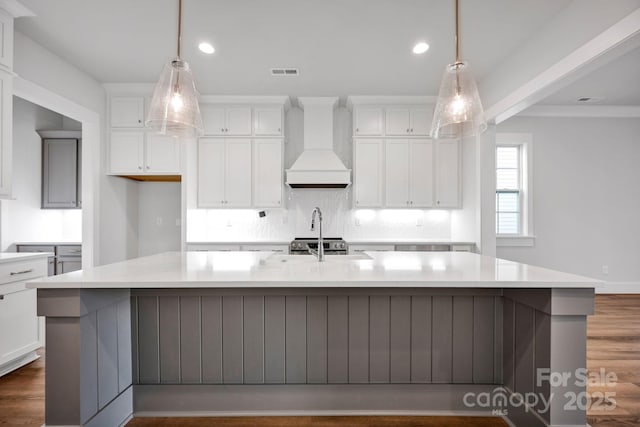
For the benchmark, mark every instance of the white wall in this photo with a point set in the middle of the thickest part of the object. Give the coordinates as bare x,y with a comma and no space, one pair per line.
158,217
586,181
22,218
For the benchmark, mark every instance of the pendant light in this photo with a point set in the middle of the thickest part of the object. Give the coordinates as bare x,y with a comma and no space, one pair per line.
174,107
458,112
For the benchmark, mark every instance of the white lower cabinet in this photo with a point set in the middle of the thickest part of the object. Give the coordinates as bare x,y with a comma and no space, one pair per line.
267,173
368,172
447,176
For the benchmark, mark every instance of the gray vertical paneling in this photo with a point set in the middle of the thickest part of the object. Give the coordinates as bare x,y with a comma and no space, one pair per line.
542,357
498,336
211,340
124,344
508,343
462,339
253,314
274,337
379,339
232,339
317,339
420,339
190,340
88,367
400,339
107,354
524,348
337,339
149,368
134,340
296,339
358,339
169,309
442,335
483,345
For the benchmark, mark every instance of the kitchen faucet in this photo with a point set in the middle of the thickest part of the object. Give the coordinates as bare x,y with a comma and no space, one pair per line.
320,252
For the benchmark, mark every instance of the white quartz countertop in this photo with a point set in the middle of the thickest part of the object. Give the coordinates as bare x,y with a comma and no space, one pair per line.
272,270
22,256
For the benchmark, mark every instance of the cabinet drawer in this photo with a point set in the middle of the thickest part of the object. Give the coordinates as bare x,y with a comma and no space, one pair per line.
69,250
22,270
36,248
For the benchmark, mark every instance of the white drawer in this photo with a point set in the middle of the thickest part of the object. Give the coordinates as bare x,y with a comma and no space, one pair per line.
19,271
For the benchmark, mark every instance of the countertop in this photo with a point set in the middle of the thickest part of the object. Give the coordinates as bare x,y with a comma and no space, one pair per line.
269,270
48,243
22,256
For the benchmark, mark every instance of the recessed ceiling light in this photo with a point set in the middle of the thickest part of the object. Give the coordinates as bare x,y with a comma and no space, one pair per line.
206,48
420,48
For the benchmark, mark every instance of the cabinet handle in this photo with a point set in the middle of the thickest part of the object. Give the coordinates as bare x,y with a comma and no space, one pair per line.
438,202
411,202
1,297
148,168
226,130
139,167
408,130
411,130
15,273
279,130
139,121
357,129
221,129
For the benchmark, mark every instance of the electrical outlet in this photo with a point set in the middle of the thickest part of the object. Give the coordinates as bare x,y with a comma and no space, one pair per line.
229,223
605,269
159,221
419,222
357,222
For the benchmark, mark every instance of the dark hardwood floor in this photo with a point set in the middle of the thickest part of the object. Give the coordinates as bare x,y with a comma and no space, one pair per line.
613,344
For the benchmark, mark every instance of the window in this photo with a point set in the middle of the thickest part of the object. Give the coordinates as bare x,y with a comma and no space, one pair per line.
514,225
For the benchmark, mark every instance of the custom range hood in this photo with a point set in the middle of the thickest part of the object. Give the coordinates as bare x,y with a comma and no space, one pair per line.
318,166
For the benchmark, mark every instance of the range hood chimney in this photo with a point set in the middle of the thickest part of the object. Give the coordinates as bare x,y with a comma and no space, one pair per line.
318,166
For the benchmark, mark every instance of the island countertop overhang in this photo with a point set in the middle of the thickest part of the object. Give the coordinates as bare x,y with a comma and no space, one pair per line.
268,270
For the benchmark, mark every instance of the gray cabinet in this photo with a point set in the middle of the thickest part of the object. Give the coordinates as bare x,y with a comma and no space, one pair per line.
61,185
68,257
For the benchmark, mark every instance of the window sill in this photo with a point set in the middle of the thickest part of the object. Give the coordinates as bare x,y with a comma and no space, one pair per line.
515,241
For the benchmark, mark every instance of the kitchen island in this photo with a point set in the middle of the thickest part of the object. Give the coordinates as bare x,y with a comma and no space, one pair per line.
232,333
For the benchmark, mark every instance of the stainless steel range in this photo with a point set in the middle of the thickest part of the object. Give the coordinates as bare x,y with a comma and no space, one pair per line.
332,246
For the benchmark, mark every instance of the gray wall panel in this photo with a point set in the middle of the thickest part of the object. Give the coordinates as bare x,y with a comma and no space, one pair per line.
358,339
542,357
190,340
420,339
134,340
508,343
274,338
316,340
296,339
498,336
462,339
149,367
232,351
107,323
400,340
442,339
483,345
88,366
524,348
379,344
211,340
169,321
337,339
253,314
124,345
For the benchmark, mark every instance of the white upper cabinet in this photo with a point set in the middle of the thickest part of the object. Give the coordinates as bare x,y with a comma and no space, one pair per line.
368,121
238,173
6,133
267,121
408,121
162,154
368,172
409,173
137,153
421,173
6,40
127,112
222,121
126,153
397,173
267,173
447,167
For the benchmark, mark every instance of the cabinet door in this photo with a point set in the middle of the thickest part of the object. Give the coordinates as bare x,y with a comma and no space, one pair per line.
420,119
6,136
6,40
238,173
368,173
68,264
18,324
211,174
398,122
60,173
213,119
127,112
368,121
447,174
267,173
421,173
397,174
238,121
267,121
126,153
162,154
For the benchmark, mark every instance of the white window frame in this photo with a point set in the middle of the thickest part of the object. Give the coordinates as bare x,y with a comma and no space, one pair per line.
524,141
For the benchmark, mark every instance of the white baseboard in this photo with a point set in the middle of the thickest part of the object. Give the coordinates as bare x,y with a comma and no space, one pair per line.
619,288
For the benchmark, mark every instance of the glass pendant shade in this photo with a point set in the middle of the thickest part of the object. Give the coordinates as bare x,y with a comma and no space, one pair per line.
458,112
174,107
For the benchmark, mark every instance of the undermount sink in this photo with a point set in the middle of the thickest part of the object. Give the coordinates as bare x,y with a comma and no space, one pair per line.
305,259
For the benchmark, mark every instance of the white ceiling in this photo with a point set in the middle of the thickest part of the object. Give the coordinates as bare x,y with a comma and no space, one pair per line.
341,47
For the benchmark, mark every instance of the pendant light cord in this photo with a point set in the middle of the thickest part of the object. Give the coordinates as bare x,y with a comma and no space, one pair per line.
457,33
180,26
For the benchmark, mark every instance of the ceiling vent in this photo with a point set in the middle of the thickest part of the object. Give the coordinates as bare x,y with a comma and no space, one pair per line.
285,72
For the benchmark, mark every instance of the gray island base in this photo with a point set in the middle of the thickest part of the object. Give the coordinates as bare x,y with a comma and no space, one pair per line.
118,349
